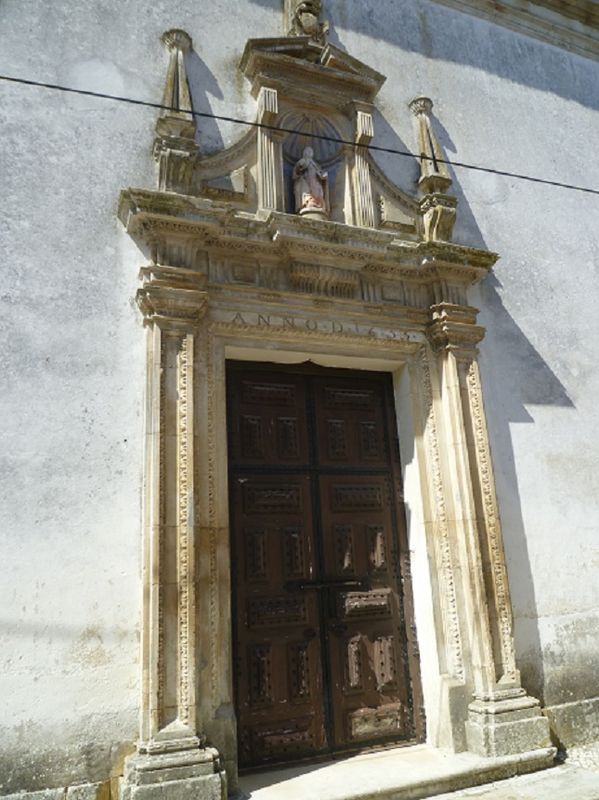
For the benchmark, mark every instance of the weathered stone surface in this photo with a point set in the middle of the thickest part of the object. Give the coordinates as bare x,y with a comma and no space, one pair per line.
73,357
560,783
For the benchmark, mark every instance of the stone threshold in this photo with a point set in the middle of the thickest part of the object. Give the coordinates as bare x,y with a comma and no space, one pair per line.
403,773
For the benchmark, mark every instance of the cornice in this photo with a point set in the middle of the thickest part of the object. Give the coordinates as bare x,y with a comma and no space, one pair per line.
153,216
570,24
298,61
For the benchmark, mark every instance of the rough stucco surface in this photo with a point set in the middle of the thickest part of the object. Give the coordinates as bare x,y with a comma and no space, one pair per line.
72,354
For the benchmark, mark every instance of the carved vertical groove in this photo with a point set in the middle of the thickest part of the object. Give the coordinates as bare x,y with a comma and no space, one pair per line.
432,440
491,520
185,515
363,192
269,152
213,539
161,666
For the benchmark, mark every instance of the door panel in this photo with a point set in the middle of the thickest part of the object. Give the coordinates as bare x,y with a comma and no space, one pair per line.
268,425
321,659
350,423
368,688
278,645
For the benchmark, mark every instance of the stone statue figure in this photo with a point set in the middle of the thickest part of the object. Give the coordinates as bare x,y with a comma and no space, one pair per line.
303,19
310,186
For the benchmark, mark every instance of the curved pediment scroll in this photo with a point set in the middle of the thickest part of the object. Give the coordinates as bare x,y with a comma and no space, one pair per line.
308,154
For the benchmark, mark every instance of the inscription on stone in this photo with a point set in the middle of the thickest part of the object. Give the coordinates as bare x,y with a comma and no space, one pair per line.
321,325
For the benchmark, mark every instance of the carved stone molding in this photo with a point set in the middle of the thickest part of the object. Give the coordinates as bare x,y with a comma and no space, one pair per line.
453,327
572,25
233,271
453,660
172,297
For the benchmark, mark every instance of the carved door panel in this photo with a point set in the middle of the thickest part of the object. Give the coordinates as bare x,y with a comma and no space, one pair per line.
366,647
278,633
321,655
369,683
278,642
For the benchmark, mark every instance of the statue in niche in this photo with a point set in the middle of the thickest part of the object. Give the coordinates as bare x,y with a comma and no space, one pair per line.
310,186
304,19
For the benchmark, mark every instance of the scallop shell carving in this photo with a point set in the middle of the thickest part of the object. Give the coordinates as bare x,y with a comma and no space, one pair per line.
308,127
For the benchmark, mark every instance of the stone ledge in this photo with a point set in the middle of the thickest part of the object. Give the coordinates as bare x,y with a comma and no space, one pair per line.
80,791
560,783
574,723
408,773
576,31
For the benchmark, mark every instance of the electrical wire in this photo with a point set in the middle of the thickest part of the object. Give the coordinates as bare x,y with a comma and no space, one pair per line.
323,137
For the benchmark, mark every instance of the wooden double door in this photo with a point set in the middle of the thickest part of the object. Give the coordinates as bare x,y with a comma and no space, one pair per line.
325,657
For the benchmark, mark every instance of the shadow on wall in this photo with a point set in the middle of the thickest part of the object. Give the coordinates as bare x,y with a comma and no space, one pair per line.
526,379
426,28
202,82
446,34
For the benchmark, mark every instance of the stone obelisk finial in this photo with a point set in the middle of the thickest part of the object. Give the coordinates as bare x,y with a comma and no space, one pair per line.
438,208
175,148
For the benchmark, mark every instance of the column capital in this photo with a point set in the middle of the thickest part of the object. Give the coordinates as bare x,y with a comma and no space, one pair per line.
172,297
453,328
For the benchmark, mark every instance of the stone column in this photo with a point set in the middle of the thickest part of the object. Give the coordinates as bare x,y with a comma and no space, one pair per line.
171,760
363,202
502,719
270,154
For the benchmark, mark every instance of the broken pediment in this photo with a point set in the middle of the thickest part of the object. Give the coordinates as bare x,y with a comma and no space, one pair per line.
301,183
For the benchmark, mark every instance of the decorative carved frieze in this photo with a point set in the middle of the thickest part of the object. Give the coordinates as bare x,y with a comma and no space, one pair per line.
327,281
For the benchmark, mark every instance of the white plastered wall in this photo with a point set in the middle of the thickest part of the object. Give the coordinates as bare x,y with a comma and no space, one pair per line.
73,347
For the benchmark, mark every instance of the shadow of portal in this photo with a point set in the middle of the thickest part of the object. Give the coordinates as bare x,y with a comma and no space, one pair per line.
507,355
447,34
201,83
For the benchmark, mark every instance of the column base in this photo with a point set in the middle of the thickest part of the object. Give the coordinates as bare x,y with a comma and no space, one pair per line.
504,726
193,773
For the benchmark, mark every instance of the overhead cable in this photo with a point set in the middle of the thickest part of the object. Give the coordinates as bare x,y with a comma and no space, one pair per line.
323,137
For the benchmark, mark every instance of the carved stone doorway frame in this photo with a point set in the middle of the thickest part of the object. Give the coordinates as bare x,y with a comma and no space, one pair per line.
473,699
233,273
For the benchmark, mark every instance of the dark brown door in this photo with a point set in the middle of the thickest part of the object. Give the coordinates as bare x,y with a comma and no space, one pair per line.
325,655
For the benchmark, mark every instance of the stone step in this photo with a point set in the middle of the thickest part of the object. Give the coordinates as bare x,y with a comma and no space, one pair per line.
408,773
